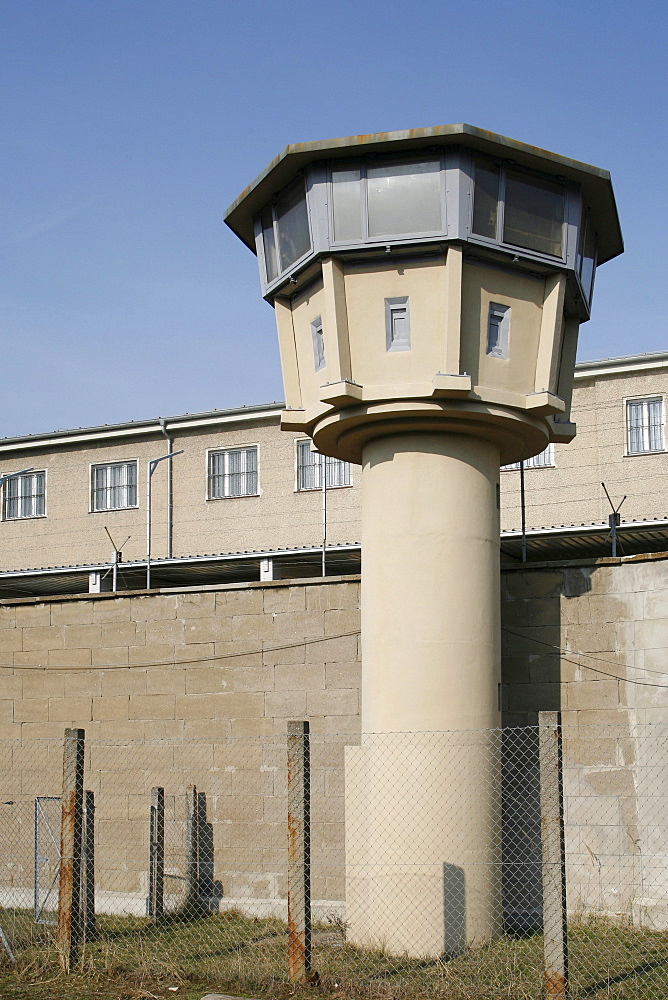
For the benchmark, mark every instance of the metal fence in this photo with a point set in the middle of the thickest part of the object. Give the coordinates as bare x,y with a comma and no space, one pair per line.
394,866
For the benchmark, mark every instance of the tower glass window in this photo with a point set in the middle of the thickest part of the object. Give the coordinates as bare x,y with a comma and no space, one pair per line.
24,496
534,214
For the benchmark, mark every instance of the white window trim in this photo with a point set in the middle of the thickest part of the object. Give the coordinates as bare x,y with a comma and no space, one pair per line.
92,509
231,447
646,398
24,517
316,489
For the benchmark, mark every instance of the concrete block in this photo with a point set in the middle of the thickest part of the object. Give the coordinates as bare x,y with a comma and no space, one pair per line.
110,656
78,636
166,680
598,638
341,649
111,609
40,637
11,639
206,630
28,710
251,678
285,704
534,697
43,731
43,684
245,600
290,653
196,605
343,675
152,706
122,633
33,615
251,727
292,677
297,626
195,653
69,657
238,654
327,597
652,634
207,679
206,729
72,612
342,621
333,702
129,681
11,685
590,695
253,628
70,711
151,656
153,607
278,600
84,684
171,632
111,708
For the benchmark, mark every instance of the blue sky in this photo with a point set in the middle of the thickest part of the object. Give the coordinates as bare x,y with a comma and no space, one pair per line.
129,125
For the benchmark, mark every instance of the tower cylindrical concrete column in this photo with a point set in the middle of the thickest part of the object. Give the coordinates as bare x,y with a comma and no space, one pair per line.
423,801
430,583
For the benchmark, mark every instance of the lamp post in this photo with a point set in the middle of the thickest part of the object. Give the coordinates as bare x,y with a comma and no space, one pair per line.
428,288
150,469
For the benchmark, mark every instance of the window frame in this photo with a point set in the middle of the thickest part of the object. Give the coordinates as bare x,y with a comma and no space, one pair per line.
33,495
571,223
362,164
254,446
645,400
259,229
317,466
102,465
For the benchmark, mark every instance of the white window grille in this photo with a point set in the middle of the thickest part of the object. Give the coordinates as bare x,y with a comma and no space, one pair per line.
24,496
644,425
544,460
114,486
309,469
233,473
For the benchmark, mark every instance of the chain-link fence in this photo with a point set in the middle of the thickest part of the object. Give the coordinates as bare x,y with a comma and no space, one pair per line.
414,864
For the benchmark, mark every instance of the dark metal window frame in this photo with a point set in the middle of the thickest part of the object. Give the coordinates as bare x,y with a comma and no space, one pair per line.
259,234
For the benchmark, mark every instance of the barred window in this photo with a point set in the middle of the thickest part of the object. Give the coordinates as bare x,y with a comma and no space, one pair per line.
24,496
644,425
309,469
544,460
233,473
114,486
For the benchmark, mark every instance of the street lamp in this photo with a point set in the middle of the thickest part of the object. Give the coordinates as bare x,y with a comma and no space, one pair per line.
150,469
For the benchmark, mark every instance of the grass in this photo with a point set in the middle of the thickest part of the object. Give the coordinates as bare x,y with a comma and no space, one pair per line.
132,959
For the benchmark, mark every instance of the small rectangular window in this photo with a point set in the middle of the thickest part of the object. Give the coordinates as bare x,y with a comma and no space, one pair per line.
318,344
233,473
644,425
309,469
114,486
498,329
397,324
347,204
24,496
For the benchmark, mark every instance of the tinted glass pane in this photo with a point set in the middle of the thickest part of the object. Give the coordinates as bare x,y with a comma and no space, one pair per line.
292,220
269,242
588,262
534,214
404,198
347,203
485,200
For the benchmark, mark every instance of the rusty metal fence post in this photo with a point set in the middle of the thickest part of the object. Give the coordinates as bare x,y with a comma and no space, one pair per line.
71,842
88,888
156,866
192,861
555,930
299,851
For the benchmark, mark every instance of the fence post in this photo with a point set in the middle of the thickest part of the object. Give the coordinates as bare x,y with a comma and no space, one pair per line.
299,851
71,830
555,929
89,922
156,865
192,864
